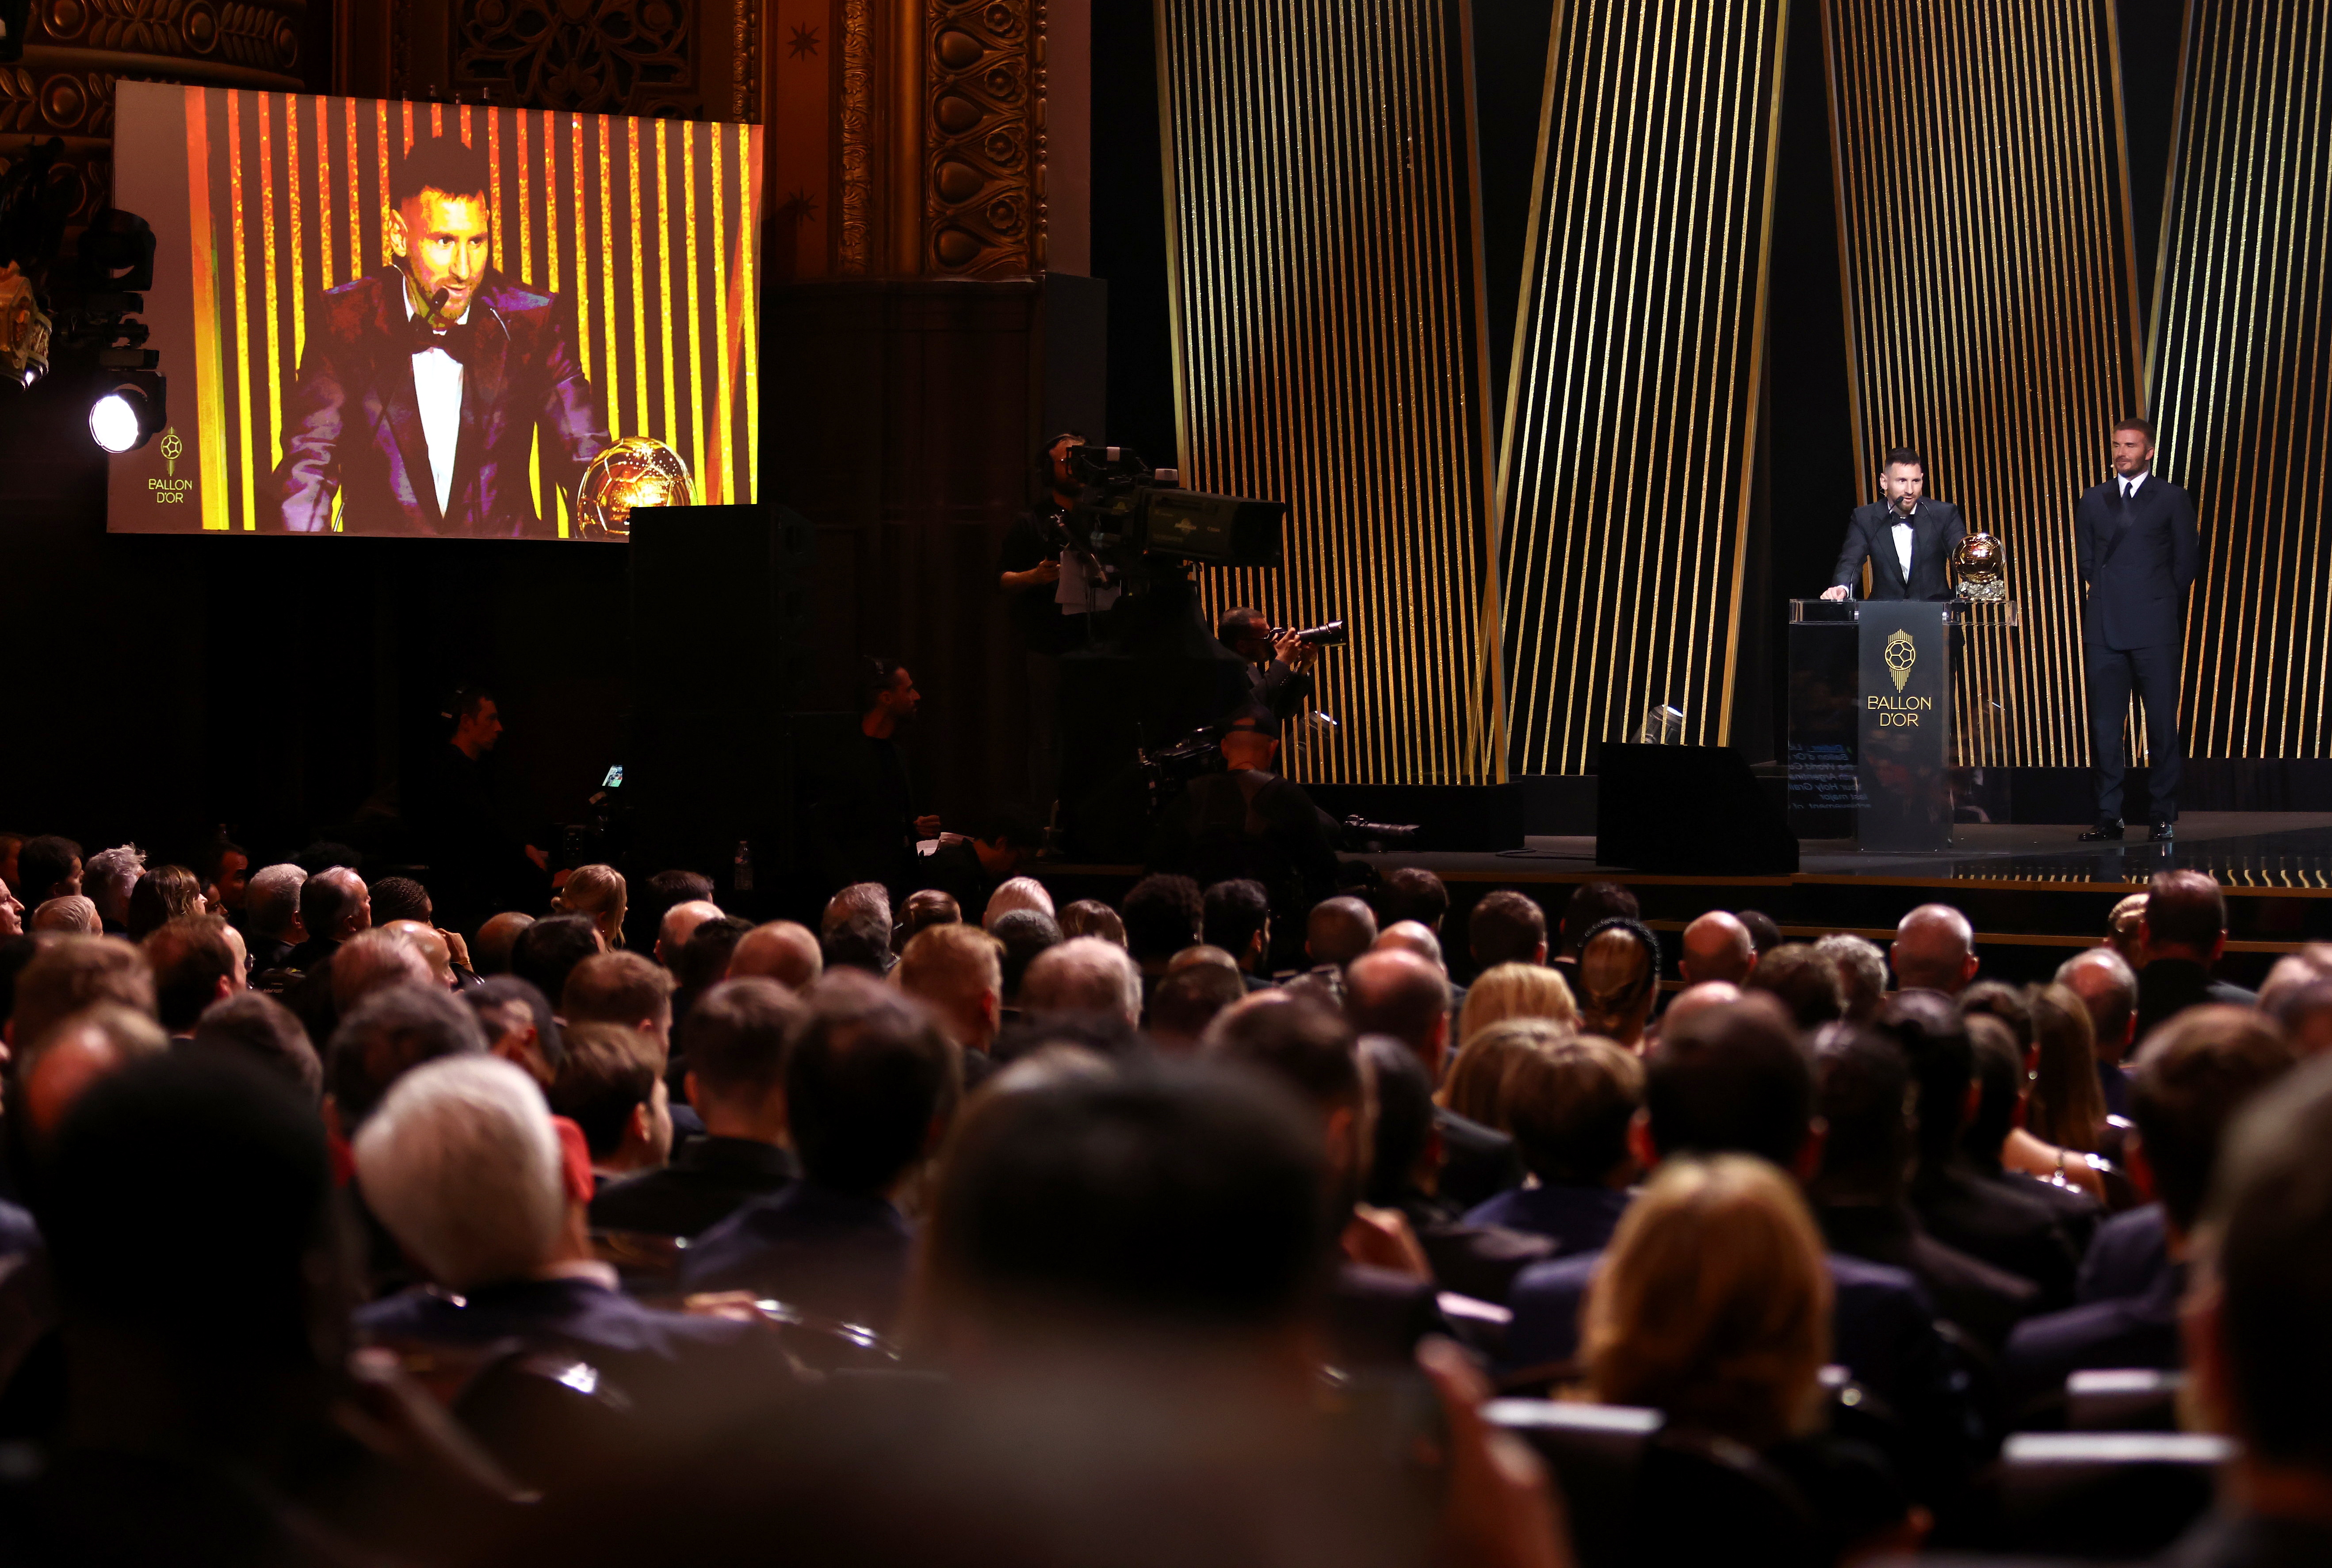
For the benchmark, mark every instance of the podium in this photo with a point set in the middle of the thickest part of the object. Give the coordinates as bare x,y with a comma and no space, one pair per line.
1872,731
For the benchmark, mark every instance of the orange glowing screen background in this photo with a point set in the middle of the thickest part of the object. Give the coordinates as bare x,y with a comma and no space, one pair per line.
648,231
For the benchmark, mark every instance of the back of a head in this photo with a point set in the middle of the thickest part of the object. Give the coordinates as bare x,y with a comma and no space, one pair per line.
42,862
1590,904
1305,1045
325,900
1568,1105
2107,988
921,911
1019,892
1516,990
189,956
608,1072
1180,1199
1411,936
2186,910
463,1166
1718,947
735,1037
73,914
1398,994
703,958
2192,1078
110,875
1764,930
778,949
1025,933
1805,979
1713,1302
668,888
861,941
490,951
506,996
387,1034
2068,1107
858,898
1412,893
164,893
2001,1081
373,961
1861,973
1864,1100
596,892
1084,975
615,988
73,972
1933,1040
263,1031
205,1173
1187,1000
1932,944
1730,1080
1339,930
868,1078
951,966
1476,1084
1235,910
1163,914
2008,1003
1404,1120
1619,973
1091,917
547,952
2271,1221
1507,927
271,899
400,898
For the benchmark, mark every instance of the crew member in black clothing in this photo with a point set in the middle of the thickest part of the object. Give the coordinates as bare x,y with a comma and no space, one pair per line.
1028,571
867,819
1278,670
1250,822
476,866
972,865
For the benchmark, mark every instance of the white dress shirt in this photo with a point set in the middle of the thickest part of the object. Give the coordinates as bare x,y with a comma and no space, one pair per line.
2129,484
437,387
1903,540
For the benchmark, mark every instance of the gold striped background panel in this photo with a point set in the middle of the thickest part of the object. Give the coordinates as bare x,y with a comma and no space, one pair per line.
585,207
1991,314
1326,302
1632,405
2241,359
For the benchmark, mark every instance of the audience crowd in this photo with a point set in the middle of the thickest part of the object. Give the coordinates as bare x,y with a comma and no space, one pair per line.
973,1227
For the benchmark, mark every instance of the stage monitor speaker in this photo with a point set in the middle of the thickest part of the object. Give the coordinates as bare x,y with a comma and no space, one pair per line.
1687,811
720,635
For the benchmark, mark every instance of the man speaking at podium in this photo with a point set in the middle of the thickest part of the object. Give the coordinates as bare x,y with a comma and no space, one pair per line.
1906,537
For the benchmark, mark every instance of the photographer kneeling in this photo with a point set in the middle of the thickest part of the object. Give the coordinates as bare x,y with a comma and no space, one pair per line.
1278,670
1252,823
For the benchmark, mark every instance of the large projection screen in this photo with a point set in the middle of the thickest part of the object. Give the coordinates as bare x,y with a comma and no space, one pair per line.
345,355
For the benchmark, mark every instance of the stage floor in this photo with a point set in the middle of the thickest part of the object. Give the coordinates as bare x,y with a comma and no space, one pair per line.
2238,849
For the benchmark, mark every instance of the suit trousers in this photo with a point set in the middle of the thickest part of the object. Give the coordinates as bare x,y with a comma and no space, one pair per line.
2153,672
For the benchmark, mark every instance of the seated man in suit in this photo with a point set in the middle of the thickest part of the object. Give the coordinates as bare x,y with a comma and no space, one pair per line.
1907,536
611,1085
465,1165
1401,995
871,1084
1571,1105
1736,1080
2185,934
2193,1078
424,385
735,1043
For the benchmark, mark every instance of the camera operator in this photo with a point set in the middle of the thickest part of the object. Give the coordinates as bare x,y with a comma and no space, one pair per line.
1028,572
1279,672
1250,822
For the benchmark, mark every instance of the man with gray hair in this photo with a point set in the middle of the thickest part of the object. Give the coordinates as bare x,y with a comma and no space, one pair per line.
271,915
73,914
1935,950
2108,992
108,878
465,1167
1085,974
1861,973
386,1035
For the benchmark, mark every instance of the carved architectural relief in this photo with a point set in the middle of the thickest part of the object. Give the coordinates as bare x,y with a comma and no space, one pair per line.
854,249
983,117
590,56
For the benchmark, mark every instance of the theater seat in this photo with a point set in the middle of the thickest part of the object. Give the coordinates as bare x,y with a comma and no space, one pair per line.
2117,1495
1595,1452
814,1343
2131,1399
647,1264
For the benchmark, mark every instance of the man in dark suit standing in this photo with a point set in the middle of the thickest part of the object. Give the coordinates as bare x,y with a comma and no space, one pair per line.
1907,536
424,385
2136,547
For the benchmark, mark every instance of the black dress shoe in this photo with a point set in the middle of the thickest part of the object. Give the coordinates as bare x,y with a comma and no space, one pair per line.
2164,832
2108,829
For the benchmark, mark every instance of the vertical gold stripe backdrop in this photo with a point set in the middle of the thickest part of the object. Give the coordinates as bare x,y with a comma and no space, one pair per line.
584,207
1632,415
2241,361
1323,230
1990,313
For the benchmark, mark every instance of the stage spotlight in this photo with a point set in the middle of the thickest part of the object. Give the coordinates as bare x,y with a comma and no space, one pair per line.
126,416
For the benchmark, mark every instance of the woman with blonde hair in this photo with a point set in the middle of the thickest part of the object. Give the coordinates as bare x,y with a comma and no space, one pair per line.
1476,1087
599,891
1713,1307
1516,990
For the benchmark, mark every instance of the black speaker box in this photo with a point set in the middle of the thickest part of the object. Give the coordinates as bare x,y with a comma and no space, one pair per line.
1687,811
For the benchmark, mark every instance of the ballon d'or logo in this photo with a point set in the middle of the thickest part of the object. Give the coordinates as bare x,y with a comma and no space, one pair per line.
1901,654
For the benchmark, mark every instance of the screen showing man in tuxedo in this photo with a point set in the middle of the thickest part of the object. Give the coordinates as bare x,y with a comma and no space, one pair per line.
1907,536
425,384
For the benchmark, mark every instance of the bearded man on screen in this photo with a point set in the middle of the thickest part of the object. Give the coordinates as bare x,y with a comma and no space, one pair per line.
424,385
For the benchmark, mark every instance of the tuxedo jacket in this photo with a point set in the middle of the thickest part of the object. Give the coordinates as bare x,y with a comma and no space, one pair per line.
1936,531
352,426
2137,558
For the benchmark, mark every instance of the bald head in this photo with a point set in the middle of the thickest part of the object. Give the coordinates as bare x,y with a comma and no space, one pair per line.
1411,936
492,950
430,945
1340,931
1935,950
680,922
1698,998
335,904
779,950
1401,995
1718,947
2109,992
91,1045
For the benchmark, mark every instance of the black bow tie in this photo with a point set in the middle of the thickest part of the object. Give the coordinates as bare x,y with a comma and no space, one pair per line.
454,340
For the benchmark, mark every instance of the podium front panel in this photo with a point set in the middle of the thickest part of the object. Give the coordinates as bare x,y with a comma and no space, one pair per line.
1904,723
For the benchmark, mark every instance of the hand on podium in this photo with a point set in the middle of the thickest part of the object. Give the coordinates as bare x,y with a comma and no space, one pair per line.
1839,592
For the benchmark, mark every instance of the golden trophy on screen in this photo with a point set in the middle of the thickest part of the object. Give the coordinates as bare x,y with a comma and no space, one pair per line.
1980,561
636,471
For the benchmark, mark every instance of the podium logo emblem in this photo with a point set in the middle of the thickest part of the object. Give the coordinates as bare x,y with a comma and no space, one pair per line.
1902,652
